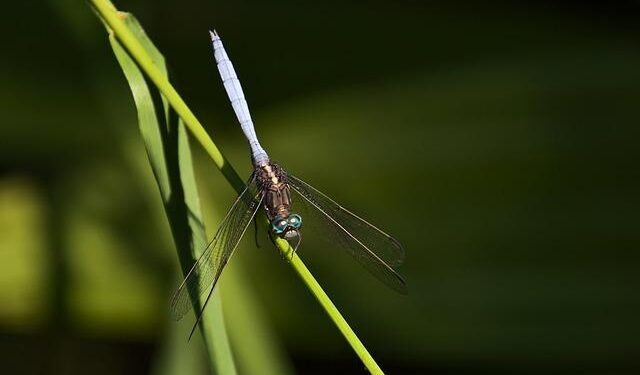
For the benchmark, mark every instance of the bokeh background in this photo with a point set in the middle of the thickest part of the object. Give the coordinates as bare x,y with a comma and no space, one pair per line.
497,141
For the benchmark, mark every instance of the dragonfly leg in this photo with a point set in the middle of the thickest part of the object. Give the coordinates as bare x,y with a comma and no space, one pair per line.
293,252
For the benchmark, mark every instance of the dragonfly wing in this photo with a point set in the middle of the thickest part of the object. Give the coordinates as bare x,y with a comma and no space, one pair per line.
204,274
375,250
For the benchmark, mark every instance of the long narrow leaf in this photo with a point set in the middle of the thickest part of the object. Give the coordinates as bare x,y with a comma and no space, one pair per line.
167,146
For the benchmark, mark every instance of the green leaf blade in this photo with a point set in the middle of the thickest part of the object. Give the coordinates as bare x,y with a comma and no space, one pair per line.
168,149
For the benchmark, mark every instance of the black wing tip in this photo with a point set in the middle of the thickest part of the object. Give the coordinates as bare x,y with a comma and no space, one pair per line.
401,287
193,330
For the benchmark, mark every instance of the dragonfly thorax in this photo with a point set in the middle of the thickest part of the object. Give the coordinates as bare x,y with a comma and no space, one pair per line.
272,181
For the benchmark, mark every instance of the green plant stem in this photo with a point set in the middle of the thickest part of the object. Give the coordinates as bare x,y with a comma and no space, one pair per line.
329,307
112,17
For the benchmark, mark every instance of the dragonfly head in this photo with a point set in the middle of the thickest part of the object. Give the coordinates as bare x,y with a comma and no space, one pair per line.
286,227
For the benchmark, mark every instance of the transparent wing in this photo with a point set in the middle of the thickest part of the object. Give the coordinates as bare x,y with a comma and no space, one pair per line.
205,272
375,250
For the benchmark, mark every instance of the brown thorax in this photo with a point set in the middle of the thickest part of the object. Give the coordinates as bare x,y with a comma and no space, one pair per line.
277,196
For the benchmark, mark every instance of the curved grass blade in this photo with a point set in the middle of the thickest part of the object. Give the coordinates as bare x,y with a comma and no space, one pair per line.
167,146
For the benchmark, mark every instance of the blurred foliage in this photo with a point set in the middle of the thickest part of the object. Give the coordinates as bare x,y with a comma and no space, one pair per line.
496,141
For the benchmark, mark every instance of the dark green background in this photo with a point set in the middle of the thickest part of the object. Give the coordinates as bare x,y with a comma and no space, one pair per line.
497,142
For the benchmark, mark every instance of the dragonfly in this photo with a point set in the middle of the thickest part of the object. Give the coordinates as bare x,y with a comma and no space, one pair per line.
274,189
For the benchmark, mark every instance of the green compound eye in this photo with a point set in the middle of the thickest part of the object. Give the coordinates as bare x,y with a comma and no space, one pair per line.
279,225
295,221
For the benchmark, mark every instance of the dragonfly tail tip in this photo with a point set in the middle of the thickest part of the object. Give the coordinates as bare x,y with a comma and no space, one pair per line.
214,34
